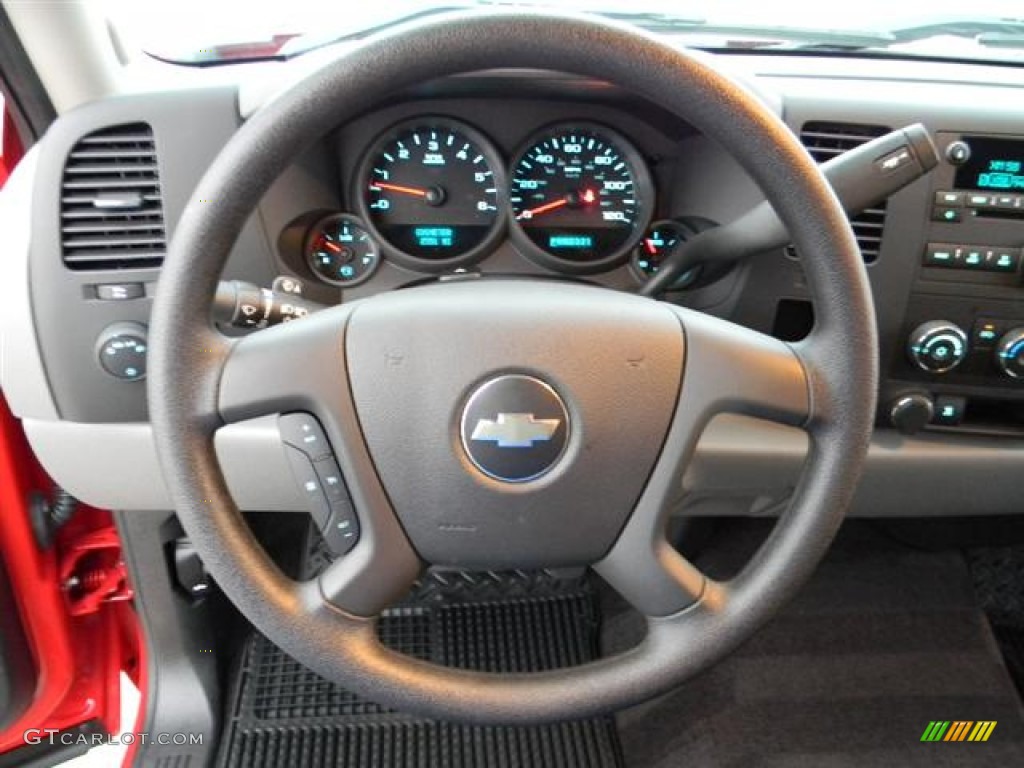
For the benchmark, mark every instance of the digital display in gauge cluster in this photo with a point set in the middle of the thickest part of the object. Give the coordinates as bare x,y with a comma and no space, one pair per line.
433,195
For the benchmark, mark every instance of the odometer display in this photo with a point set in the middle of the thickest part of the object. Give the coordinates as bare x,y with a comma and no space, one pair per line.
581,197
432,191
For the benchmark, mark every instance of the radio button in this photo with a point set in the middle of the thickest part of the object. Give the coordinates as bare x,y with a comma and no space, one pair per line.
1002,259
941,255
949,199
948,215
974,257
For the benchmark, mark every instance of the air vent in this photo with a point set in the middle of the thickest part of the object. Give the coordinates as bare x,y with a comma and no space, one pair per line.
111,212
827,140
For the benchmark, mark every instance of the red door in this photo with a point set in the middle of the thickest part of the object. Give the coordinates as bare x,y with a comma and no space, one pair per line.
67,628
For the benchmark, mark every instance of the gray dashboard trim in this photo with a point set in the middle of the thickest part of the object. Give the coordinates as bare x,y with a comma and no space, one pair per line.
22,375
115,466
742,466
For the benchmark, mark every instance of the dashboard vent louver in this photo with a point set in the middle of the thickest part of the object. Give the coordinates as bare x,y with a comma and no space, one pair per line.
826,140
111,209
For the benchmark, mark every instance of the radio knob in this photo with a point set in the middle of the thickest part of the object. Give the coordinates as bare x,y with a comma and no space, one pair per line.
937,346
911,413
1010,353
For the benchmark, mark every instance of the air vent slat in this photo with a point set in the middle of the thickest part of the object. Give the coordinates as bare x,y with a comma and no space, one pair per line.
89,200
115,153
111,170
86,184
111,205
113,227
107,259
825,140
852,139
139,133
124,242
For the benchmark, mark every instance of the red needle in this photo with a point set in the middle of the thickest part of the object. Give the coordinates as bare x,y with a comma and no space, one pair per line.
332,247
396,188
529,214
650,247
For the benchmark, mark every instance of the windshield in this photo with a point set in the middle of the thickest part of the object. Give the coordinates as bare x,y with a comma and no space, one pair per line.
206,33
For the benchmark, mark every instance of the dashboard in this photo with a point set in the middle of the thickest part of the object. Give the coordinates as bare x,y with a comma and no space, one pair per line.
544,174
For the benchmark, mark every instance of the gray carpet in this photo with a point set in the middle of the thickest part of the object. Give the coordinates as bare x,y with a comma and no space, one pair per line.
883,639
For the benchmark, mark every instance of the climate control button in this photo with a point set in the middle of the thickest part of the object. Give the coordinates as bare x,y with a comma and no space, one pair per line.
1010,353
937,346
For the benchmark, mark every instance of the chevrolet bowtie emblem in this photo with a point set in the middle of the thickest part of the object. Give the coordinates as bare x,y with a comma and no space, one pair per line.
515,430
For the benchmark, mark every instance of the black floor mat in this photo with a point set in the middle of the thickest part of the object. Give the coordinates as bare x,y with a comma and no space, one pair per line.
882,641
283,715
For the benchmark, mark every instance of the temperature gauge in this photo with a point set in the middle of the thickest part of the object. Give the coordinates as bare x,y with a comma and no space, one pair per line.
340,251
657,243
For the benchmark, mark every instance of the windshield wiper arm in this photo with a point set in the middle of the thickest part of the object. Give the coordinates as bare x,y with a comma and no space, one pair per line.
960,27
993,33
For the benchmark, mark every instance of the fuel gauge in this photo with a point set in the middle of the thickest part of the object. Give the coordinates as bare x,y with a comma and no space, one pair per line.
657,243
340,251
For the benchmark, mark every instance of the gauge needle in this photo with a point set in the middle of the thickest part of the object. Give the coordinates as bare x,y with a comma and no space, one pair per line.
530,213
332,247
651,248
573,198
378,185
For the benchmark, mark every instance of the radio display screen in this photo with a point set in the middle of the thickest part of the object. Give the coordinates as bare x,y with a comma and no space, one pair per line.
994,164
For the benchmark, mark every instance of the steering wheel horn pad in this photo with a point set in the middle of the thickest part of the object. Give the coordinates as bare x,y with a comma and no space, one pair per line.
416,356
389,378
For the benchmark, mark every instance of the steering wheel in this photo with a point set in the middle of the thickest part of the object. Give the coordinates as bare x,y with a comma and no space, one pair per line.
400,382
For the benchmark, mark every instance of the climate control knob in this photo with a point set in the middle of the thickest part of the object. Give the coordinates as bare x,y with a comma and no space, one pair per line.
1010,353
937,346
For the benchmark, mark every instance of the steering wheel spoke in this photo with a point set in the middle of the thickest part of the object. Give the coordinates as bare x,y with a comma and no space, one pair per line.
653,577
732,369
300,366
297,366
371,577
729,369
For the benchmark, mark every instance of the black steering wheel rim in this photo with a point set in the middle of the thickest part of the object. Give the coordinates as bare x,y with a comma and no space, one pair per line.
188,362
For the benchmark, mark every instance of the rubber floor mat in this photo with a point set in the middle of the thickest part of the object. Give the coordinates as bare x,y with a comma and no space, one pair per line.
283,714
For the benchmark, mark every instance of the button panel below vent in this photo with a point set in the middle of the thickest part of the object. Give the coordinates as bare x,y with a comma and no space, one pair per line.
825,140
111,205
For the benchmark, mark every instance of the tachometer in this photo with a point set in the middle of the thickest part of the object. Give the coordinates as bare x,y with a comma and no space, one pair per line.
581,197
432,191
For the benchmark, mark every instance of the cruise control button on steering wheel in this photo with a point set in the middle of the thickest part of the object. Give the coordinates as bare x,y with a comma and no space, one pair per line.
515,428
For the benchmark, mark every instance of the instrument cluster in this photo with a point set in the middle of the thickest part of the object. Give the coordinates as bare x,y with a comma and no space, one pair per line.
433,194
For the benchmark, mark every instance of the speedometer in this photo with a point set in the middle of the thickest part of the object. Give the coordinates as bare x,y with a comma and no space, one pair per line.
432,192
581,198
